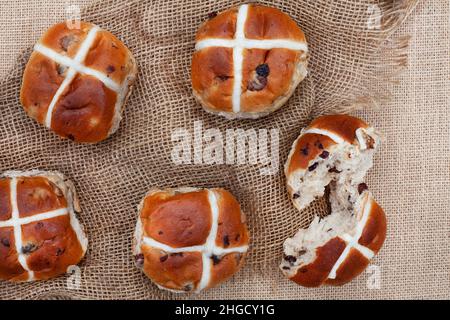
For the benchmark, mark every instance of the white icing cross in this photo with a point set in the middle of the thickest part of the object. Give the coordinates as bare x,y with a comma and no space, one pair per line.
208,250
75,66
352,242
17,223
336,138
239,43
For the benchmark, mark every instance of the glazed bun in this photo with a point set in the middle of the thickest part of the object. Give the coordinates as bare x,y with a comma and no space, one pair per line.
248,61
77,82
40,236
190,239
333,154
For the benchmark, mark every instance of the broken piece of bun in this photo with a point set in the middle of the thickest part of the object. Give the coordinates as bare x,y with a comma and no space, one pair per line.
334,152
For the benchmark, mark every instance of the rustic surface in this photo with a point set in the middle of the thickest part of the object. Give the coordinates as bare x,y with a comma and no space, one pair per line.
349,63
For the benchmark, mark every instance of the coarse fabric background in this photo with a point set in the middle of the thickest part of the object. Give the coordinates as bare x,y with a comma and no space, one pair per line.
384,61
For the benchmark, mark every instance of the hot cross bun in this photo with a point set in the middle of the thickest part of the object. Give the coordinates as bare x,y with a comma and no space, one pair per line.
40,235
190,239
248,61
77,82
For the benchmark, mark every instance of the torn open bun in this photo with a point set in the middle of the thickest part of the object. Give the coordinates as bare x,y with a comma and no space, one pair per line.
334,152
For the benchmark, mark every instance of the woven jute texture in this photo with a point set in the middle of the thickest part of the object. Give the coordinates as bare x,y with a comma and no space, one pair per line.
356,54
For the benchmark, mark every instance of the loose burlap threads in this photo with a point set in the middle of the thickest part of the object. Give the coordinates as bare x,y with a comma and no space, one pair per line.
348,52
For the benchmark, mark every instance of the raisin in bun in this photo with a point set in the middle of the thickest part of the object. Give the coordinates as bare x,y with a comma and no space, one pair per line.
77,82
248,61
190,239
334,152
40,236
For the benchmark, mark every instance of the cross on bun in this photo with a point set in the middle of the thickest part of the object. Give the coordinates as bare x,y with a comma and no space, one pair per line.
190,239
248,61
40,236
77,82
333,154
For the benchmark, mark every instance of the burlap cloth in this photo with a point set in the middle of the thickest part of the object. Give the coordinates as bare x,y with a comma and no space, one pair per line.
353,64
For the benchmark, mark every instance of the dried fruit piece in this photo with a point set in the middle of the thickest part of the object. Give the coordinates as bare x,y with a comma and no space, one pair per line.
362,187
110,69
334,170
290,259
188,287
215,259
212,15
305,150
176,254
61,69
324,154
29,248
263,70
139,260
5,242
226,241
66,41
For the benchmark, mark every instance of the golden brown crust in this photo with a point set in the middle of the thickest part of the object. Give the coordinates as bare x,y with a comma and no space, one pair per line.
64,40
36,195
173,271
374,232
110,56
212,77
5,203
212,68
41,80
270,23
308,147
316,273
344,126
178,220
87,111
351,267
282,64
10,268
232,230
224,268
56,246
222,26
50,245
182,218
